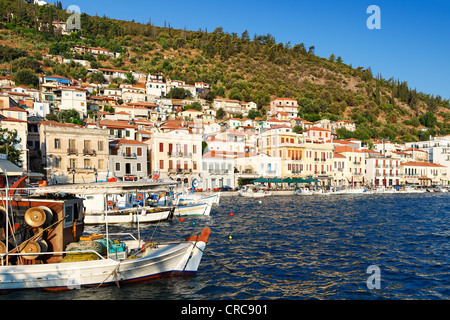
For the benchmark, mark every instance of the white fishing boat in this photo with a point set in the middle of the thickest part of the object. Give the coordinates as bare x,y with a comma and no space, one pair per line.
44,250
251,191
195,209
127,208
196,198
321,192
303,192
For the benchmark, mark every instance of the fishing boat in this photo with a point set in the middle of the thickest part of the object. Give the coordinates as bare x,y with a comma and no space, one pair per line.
195,209
251,191
127,208
321,192
43,246
198,198
303,192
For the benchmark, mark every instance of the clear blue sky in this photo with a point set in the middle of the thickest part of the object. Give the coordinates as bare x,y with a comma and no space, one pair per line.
412,45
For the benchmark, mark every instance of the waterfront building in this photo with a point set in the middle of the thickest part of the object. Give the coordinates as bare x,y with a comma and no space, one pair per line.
285,144
217,170
251,166
382,170
128,159
356,160
72,153
176,154
424,173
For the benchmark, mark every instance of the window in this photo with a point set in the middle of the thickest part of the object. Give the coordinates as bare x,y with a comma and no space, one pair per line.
161,147
101,163
87,163
138,167
117,166
57,143
194,151
195,165
170,164
139,152
58,162
73,163
100,145
185,165
161,164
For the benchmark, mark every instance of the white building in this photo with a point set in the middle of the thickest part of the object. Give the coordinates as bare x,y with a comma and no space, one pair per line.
217,171
128,159
73,98
156,88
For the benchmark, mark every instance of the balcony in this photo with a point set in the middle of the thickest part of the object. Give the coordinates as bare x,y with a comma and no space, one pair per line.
129,155
81,170
179,155
71,151
89,152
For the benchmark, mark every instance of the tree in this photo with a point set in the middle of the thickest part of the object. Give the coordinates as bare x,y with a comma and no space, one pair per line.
130,78
179,93
97,77
8,141
297,129
26,77
332,58
428,120
220,113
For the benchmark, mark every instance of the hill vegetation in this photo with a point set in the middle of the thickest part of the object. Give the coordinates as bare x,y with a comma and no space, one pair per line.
236,66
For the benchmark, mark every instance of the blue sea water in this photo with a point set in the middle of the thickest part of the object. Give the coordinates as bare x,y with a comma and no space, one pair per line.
300,248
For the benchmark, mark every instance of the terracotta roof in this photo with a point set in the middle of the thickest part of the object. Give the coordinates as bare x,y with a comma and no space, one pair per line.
422,164
341,149
125,141
317,129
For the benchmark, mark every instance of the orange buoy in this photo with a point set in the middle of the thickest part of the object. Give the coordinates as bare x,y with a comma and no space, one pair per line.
231,213
181,219
109,203
140,196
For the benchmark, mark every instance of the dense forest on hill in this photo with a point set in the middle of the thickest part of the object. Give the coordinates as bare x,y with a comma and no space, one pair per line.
244,67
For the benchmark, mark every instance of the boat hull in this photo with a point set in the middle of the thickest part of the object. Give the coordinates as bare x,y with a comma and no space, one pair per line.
131,217
167,260
200,209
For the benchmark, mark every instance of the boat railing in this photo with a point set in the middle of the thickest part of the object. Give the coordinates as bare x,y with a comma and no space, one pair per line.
3,255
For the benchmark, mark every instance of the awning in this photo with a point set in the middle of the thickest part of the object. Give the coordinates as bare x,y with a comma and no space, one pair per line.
9,169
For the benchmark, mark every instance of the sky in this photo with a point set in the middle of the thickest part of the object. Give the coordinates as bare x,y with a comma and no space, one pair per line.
413,43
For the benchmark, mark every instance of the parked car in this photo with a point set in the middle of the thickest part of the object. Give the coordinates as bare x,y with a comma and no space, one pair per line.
226,188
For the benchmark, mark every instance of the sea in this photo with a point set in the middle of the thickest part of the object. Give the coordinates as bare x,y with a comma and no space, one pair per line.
322,247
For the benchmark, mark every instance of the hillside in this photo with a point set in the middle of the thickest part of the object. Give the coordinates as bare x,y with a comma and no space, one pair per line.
237,66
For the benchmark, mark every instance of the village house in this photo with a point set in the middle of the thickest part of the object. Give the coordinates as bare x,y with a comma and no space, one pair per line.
176,154
74,98
251,166
318,135
72,153
217,170
347,124
340,170
128,159
424,173
356,165
285,105
382,170
282,142
110,74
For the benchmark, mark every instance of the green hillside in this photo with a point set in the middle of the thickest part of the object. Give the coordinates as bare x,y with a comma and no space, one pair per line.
244,67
